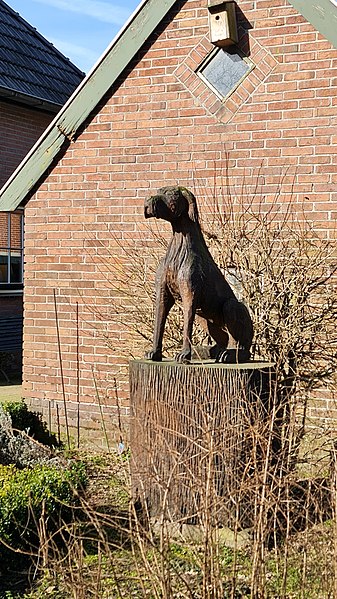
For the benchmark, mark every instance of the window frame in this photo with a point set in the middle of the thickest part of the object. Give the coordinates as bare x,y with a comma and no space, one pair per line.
208,59
9,286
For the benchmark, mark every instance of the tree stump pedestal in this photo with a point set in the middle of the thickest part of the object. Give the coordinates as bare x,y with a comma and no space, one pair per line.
197,432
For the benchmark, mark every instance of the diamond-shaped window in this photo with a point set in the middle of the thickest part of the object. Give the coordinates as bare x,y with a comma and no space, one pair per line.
224,69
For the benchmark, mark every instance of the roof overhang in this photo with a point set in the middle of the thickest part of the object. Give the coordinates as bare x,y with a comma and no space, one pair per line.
12,95
99,80
322,14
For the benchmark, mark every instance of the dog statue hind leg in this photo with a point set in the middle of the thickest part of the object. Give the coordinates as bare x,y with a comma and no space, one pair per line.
240,328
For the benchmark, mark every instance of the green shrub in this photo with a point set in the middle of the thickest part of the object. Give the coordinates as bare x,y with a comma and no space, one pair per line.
25,494
24,419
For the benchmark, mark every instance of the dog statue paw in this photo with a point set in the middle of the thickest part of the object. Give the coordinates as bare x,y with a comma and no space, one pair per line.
155,356
233,356
183,357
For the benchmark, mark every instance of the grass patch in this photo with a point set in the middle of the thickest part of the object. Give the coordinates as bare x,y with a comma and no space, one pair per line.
110,556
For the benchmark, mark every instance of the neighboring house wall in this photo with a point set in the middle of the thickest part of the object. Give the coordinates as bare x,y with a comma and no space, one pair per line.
20,127
11,292
162,125
35,82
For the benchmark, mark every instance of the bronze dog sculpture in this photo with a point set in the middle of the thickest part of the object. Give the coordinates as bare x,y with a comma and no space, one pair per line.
188,272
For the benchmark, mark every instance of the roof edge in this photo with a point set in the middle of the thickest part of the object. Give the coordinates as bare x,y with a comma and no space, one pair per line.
14,96
322,14
82,102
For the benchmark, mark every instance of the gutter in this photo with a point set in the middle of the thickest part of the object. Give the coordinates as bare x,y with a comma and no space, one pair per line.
27,100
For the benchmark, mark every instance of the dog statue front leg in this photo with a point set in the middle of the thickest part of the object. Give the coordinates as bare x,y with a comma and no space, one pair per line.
184,356
164,303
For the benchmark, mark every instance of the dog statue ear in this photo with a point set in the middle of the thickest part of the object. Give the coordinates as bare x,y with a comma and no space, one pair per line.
192,204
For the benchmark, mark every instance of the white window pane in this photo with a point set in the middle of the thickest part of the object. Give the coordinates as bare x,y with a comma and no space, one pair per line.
224,70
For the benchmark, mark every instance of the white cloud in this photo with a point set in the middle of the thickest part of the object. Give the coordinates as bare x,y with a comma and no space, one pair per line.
97,9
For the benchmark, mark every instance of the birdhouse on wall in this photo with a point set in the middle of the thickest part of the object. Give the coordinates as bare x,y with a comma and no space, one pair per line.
222,19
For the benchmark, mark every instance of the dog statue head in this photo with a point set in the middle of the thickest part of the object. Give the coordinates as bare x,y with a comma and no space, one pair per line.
172,203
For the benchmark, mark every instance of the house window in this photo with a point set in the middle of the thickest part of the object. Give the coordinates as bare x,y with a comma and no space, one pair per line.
223,70
11,250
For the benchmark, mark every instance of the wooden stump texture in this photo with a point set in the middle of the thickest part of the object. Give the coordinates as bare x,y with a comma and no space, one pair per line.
192,445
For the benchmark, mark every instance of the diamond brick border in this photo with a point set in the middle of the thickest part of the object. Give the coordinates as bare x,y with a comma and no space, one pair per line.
224,110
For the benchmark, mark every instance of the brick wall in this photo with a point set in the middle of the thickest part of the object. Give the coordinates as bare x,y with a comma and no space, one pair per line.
20,127
162,124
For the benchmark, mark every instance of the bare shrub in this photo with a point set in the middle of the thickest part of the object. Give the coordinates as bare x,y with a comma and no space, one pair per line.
277,263
123,553
269,251
285,273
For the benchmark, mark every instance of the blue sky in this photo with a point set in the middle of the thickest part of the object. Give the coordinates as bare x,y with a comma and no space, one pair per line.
80,29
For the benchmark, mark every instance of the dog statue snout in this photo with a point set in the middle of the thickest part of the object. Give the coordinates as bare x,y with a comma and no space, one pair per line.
150,207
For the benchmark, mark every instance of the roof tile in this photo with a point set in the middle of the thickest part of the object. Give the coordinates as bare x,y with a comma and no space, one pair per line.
31,65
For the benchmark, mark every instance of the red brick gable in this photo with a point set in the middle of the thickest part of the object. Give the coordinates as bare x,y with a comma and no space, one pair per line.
159,126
